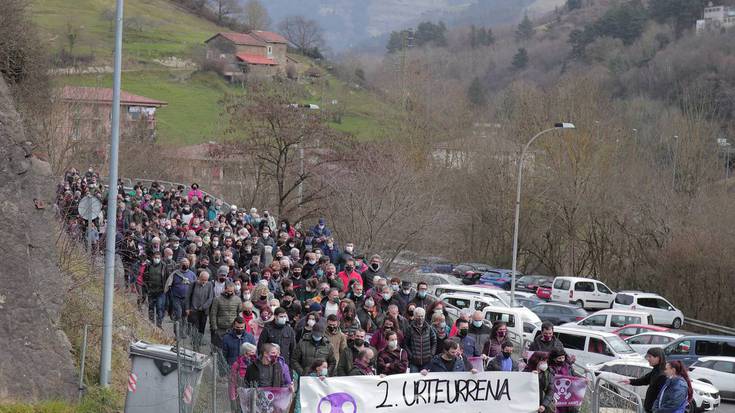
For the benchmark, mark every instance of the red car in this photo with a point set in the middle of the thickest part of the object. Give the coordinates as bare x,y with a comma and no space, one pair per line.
633,329
544,291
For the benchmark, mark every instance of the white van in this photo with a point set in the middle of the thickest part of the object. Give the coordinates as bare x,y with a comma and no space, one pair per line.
473,302
584,292
521,322
473,290
661,309
609,320
594,347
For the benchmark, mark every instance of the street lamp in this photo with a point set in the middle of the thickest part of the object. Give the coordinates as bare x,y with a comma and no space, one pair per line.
562,125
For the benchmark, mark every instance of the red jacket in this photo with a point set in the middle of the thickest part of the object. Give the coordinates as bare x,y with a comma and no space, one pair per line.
347,278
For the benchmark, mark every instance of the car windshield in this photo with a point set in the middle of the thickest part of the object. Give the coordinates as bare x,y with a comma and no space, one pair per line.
619,345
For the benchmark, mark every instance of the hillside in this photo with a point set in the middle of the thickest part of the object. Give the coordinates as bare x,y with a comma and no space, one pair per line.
155,28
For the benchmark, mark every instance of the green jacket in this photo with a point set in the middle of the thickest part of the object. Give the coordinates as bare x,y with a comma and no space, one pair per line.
306,352
223,312
154,278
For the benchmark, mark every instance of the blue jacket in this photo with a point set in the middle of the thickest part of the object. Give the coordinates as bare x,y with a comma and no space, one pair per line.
231,345
437,365
673,397
469,347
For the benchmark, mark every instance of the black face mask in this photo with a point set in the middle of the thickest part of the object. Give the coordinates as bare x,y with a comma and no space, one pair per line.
463,332
238,331
228,294
286,303
349,268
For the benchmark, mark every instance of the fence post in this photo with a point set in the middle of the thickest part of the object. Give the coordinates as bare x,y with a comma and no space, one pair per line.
214,380
178,366
254,399
82,361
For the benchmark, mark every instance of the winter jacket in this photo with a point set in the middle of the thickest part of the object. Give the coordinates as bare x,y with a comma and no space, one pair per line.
231,345
346,278
438,364
673,397
307,351
493,347
469,347
480,334
392,361
496,364
422,302
338,341
368,275
223,312
546,391
154,278
655,380
200,297
255,375
284,336
539,344
420,341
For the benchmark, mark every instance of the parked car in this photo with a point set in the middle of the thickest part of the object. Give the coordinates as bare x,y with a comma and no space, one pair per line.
530,283
438,267
497,277
544,291
706,397
473,302
663,312
479,290
690,348
644,341
528,302
609,320
559,314
460,270
527,327
432,278
594,347
519,296
717,371
585,292
635,329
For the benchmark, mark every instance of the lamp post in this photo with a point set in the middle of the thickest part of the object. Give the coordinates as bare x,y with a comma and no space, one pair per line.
563,125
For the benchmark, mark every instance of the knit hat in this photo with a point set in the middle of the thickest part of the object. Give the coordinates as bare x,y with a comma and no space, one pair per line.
315,307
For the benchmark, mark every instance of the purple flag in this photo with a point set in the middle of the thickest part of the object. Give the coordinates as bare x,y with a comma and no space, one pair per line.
269,399
569,391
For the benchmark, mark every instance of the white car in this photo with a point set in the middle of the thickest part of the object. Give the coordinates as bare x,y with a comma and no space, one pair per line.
717,371
663,312
644,341
584,292
706,396
610,320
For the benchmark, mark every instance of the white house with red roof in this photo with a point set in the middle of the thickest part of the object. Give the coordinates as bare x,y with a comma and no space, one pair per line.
258,52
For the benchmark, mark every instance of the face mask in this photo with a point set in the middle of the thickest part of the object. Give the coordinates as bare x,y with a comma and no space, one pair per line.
238,331
228,233
156,260
507,355
184,267
332,329
501,333
176,245
237,289
286,303
310,322
281,321
274,359
228,294
477,323
215,243
543,366
348,249
394,287
375,266
349,268
463,332
324,372
316,338
248,249
199,244
357,295
422,294
406,291
335,300
330,245
386,297
266,235
246,296
393,344
546,339
419,321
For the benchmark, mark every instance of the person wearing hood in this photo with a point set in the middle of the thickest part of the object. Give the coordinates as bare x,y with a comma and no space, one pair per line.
676,393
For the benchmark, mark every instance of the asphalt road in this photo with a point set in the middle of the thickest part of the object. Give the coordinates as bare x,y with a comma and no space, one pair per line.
727,407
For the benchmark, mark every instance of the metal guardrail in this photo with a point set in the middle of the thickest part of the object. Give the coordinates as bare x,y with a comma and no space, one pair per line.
710,326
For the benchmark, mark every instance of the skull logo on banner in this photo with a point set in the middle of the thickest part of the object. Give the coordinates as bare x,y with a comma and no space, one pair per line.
337,403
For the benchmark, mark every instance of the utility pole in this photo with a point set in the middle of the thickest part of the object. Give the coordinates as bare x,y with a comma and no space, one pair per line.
106,351
676,153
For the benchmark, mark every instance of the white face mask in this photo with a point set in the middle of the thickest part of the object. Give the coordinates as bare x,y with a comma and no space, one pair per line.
156,260
393,344
543,366
215,243
237,289
310,322
246,296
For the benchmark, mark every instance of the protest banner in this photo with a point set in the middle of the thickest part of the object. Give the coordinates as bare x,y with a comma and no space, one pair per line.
268,399
477,363
569,391
507,392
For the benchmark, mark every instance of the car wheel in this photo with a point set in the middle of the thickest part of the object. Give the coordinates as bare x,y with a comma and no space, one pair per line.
579,303
676,324
691,408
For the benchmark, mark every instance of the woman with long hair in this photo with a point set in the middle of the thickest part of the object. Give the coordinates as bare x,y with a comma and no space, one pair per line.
677,392
539,364
654,379
559,365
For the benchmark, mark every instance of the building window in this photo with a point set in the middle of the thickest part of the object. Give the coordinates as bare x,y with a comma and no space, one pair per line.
270,51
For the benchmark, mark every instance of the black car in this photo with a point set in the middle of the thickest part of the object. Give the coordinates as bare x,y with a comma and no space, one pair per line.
559,313
470,272
529,283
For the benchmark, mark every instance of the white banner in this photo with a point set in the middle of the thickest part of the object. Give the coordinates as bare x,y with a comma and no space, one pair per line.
507,392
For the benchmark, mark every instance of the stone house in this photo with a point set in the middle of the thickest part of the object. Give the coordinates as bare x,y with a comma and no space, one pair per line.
259,53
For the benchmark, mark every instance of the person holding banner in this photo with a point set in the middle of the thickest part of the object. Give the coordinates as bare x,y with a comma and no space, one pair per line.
361,366
420,341
266,371
559,366
493,346
451,360
504,361
467,342
392,359
538,363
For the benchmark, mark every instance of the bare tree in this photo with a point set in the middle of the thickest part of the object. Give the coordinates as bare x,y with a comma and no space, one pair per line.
303,33
256,16
225,9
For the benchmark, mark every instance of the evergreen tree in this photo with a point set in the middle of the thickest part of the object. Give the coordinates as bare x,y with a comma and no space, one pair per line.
476,93
474,36
520,60
525,30
395,42
574,4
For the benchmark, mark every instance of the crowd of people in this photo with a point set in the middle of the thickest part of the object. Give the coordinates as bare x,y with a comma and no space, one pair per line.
282,300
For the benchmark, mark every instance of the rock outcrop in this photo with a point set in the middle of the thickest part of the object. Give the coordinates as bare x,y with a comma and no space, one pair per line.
35,356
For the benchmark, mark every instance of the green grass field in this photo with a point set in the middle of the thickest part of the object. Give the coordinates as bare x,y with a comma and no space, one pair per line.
193,112
165,29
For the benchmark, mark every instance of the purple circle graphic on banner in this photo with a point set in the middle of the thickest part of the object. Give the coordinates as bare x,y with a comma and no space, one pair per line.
337,403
